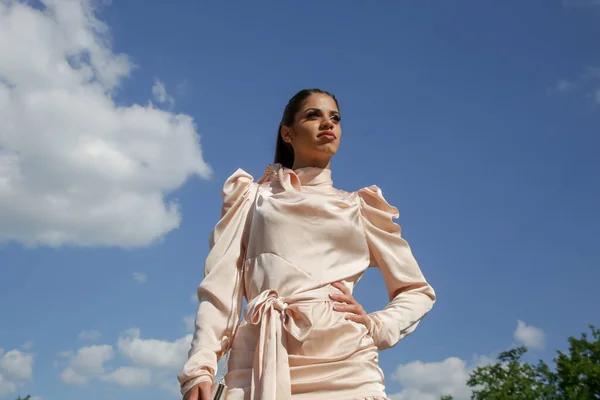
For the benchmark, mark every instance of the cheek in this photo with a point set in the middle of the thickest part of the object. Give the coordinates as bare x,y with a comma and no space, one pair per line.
338,132
306,132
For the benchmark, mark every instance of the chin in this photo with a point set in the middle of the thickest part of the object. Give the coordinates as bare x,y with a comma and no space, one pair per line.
327,152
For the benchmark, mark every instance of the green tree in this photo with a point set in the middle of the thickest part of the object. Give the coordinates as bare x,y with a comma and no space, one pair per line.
28,397
578,372
510,378
576,375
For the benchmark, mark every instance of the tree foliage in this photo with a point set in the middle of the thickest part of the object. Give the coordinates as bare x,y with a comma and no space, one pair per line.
578,372
576,375
510,378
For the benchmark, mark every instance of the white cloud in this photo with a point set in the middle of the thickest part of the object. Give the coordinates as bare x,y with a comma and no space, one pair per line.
413,394
87,364
529,336
588,83
183,88
28,344
6,386
66,353
17,365
75,167
563,85
140,277
591,73
159,91
153,352
129,377
194,298
89,335
431,380
152,362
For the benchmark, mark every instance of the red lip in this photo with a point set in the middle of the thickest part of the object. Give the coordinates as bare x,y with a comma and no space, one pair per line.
330,135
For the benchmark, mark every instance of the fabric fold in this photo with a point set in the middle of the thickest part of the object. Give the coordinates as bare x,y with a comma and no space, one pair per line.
276,316
411,296
301,235
293,180
219,305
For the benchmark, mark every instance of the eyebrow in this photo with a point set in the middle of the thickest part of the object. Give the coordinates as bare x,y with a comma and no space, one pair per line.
318,109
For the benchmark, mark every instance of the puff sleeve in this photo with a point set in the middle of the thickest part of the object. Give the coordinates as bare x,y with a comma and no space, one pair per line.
411,297
220,302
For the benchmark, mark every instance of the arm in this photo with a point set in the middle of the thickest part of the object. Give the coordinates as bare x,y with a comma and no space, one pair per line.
219,308
411,297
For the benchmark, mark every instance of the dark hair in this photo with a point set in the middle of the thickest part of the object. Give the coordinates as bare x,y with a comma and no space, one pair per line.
284,153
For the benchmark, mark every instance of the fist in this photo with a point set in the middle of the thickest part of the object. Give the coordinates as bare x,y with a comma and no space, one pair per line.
201,391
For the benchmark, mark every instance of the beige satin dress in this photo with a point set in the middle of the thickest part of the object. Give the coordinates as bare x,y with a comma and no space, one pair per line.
300,235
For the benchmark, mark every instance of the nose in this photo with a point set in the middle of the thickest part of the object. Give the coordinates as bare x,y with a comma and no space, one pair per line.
326,124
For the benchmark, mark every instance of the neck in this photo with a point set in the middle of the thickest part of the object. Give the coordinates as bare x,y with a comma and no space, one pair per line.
324,164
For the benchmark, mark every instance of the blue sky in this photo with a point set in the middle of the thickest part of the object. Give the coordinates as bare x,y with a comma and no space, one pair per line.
479,120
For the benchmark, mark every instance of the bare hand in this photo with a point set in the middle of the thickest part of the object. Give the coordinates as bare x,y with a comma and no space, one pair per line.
347,303
201,391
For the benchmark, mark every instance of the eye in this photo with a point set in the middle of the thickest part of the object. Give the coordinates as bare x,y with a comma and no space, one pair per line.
312,114
336,118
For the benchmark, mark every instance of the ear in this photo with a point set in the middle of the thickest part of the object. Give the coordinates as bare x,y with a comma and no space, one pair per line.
286,134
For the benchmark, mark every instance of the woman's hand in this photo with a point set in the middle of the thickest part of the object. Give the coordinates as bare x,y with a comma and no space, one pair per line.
201,391
347,303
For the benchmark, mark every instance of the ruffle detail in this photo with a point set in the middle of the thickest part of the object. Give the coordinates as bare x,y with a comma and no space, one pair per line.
373,197
376,209
294,180
238,186
286,177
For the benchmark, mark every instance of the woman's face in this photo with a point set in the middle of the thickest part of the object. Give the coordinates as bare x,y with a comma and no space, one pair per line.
316,132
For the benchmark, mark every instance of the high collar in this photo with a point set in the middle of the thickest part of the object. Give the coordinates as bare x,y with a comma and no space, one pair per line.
292,179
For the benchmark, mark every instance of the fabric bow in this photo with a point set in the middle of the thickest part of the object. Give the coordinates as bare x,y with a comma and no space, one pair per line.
287,177
271,372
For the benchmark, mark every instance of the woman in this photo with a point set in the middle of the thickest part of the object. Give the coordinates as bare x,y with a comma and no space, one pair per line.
299,246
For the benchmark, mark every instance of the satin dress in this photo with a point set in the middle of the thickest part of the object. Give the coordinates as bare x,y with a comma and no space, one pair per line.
280,243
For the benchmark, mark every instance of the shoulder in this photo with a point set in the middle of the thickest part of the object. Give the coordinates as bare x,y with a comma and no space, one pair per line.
238,186
376,211
237,181
371,198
